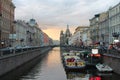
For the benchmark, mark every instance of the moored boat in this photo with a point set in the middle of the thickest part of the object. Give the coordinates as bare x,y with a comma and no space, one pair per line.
103,68
73,62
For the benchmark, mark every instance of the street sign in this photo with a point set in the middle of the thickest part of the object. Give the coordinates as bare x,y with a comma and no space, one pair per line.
116,41
94,51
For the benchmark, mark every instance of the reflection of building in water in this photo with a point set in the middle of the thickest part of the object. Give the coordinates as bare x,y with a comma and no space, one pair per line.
82,76
76,75
95,78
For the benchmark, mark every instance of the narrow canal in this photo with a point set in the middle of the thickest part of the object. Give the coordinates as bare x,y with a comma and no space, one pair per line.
50,68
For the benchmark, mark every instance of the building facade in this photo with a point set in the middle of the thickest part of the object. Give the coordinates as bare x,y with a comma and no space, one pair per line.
94,29
21,33
64,37
76,37
114,22
85,36
79,35
6,22
34,25
67,35
104,28
30,35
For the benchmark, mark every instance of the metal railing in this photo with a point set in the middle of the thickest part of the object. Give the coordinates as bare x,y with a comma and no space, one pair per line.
6,52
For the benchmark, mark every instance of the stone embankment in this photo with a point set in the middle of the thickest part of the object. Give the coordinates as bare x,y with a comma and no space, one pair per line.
11,61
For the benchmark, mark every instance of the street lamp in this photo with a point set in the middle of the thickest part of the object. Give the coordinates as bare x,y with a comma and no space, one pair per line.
2,43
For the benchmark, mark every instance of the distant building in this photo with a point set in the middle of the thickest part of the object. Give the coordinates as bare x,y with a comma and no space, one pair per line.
6,22
85,36
56,42
24,34
36,32
64,37
41,38
79,36
29,34
67,35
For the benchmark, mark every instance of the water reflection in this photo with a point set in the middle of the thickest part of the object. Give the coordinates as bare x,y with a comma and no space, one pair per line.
89,76
50,68
76,75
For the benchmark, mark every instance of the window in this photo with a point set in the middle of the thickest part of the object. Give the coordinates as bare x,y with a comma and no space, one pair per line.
119,8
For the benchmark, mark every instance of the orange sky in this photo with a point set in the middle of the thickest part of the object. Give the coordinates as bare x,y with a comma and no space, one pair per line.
54,33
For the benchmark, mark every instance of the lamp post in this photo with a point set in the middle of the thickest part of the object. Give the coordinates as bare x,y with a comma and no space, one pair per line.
2,43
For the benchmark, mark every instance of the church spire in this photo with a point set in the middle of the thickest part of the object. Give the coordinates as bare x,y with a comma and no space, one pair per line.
67,33
67,26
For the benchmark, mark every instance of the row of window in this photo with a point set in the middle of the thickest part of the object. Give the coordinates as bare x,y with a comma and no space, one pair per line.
115,20
115,10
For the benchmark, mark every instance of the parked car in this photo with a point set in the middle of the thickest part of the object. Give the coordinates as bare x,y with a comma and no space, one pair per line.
18,47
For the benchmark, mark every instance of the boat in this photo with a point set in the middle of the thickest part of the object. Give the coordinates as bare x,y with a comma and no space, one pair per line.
73,62
66,54
93,58
103,68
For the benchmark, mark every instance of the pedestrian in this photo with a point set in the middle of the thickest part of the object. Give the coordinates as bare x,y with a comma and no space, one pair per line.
110,48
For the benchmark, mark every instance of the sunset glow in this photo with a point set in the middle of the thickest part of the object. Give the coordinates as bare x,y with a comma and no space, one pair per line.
54,33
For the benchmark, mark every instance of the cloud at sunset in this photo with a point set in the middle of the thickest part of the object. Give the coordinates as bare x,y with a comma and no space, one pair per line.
58,13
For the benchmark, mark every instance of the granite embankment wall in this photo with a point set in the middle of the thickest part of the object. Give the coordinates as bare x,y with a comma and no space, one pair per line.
113,60
12,61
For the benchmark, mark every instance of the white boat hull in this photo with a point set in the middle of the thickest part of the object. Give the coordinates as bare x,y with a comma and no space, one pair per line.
103,68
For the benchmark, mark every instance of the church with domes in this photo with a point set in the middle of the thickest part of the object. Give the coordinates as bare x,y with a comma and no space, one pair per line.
64,37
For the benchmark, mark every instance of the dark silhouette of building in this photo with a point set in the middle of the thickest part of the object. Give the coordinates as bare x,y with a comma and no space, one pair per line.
64,37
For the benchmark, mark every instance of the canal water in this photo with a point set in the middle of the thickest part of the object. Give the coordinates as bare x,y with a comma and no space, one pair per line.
50,68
